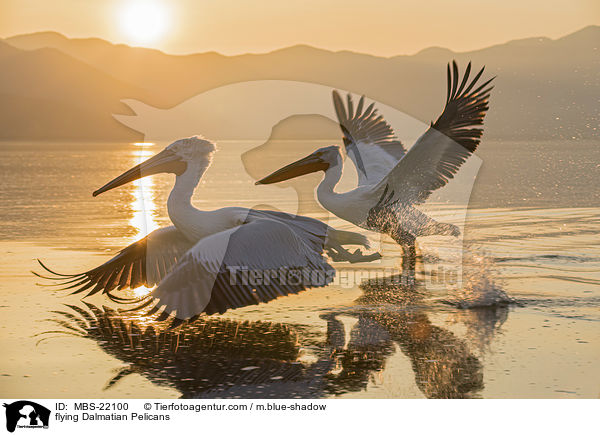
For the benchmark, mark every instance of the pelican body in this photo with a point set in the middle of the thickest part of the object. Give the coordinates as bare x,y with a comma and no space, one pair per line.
392,181
194,262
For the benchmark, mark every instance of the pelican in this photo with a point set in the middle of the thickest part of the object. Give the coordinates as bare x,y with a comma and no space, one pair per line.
196,262
391,181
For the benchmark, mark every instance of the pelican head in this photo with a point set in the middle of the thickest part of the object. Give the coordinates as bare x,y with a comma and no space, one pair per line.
321,160
191,152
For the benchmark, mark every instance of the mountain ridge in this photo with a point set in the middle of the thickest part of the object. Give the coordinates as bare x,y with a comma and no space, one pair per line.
20,40
540,80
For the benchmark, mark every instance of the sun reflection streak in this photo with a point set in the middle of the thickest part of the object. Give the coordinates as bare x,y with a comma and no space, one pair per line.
143,204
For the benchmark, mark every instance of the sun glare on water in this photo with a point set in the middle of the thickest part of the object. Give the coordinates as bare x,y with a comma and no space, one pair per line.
143,204
144,21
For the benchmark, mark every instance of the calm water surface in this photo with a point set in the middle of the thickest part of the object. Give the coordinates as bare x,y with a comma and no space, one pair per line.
531,233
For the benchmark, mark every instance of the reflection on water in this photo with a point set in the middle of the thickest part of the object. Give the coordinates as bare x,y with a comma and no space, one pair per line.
216,357
481,324
208,356
444,365
143,204
339,341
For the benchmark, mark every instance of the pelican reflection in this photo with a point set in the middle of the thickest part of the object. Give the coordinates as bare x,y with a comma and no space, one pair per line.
210,357
221,358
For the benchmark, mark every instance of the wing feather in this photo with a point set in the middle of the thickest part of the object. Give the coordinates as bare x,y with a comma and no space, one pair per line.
145,262
439,153
207,277
369,140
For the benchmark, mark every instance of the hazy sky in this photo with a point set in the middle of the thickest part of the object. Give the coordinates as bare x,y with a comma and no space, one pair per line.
382,27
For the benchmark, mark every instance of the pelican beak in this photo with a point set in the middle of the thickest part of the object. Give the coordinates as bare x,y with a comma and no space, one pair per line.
165,161
307,165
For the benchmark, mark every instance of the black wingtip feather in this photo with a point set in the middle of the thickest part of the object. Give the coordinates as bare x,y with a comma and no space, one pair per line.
361,102
350,106
465,78
51,271
338,104
365,126
465,107
454,79
449,83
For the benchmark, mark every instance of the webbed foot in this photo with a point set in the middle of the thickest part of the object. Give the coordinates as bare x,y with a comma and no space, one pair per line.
357,256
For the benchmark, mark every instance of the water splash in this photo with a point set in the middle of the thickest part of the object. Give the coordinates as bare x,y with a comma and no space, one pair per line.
481,285
482,325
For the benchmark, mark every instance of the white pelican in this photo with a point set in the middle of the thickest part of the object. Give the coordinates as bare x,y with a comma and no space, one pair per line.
392,181
196,262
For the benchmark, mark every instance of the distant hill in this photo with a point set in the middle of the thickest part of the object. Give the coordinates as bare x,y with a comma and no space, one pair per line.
46,94
7,50
545,88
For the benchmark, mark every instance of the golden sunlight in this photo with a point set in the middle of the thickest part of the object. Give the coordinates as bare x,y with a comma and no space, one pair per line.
143,204
144,21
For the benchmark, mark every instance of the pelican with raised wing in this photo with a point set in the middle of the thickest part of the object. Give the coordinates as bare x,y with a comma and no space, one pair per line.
391,181
211,261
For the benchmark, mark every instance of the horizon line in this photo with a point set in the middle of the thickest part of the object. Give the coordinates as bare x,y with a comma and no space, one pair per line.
5,38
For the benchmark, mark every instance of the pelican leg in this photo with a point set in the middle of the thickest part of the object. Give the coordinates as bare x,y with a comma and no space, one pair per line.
336,337
408,242
409,261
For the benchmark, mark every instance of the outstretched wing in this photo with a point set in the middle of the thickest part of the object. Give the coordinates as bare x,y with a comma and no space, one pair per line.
252,263
311,231
445,146
369,140
145,262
